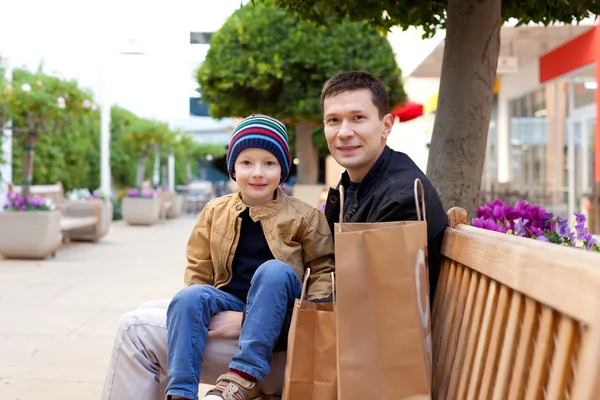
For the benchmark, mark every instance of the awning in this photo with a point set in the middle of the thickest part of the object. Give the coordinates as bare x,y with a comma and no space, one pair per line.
407,110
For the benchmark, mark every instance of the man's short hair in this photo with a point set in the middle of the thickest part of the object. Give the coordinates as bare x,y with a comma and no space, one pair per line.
357,80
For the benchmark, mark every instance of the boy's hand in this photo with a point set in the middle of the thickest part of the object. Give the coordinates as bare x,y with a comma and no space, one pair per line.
225,325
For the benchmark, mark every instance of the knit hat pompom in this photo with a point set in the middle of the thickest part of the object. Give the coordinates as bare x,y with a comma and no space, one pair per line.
260,132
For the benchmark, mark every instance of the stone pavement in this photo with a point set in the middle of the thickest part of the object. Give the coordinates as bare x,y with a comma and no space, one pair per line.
58,316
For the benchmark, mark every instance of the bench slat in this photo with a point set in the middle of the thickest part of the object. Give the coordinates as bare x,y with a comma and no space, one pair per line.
483,341
473,334
509,348
525,348
541,356
445,343
443,312
496,338
450,383
441,379
561,364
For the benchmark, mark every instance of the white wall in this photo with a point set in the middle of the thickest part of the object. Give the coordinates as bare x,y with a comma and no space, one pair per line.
511,86
413,137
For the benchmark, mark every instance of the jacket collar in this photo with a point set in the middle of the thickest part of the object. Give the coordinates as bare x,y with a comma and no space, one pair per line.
332,207
264,210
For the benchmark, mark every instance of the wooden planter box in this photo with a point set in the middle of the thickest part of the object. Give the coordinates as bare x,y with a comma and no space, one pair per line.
29,234
141,211
103,212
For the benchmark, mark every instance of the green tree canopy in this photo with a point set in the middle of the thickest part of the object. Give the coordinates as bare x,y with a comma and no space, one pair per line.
52,110
432,15
266,60
471,50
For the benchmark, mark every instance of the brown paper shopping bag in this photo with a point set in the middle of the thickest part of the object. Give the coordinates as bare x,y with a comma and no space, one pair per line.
311,370
384,330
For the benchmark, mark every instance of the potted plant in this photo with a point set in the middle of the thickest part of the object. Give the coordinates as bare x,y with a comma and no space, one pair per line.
141,207
32,227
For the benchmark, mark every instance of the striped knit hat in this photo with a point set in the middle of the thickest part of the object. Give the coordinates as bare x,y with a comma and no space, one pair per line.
262,132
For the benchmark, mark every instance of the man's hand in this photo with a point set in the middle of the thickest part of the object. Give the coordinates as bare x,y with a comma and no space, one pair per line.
225,325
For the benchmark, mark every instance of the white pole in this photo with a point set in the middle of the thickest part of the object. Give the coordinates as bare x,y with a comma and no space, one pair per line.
6,154
156,171
105,173
171,169
571,154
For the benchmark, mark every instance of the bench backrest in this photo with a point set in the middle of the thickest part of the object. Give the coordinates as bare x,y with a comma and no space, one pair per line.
515,318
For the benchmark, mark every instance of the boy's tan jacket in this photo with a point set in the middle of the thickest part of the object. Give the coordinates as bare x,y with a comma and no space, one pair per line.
297,234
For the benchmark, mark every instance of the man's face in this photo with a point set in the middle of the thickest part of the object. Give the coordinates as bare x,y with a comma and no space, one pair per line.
355,133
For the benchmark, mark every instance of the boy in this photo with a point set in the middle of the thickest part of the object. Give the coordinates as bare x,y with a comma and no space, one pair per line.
248,250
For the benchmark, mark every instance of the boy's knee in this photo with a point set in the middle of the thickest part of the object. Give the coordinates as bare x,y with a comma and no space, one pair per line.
191,296
274,271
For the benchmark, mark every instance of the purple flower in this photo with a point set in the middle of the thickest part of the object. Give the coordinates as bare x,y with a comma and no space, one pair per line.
520,227
148,194
580,218
536,231
590,242
133,193
478,222
562,227
498,212
543,238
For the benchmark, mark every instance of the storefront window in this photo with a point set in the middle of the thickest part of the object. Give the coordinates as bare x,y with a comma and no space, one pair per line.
528,144
585,86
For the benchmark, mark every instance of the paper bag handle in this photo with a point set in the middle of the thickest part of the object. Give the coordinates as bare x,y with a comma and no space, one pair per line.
419,185
305,285
342,195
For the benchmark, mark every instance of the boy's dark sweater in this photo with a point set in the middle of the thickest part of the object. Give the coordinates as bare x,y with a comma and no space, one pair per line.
252,251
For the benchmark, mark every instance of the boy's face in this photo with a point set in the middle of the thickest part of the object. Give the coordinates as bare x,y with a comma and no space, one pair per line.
355,133
257,173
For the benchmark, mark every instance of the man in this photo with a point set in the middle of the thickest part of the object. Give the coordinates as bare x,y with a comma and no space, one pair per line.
378,184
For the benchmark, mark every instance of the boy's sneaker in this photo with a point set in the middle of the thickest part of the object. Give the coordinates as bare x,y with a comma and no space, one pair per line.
231,386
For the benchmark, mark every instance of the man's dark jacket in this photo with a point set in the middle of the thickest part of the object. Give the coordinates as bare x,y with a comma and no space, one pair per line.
387,194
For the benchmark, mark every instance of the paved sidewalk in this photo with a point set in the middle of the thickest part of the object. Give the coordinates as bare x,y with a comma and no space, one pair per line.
58,316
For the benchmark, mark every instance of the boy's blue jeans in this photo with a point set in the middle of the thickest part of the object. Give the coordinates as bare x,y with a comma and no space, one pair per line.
274,288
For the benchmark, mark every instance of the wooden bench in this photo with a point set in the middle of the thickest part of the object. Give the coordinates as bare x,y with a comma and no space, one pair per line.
514,318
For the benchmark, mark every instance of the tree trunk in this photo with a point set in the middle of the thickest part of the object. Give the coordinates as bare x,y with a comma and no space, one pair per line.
141,170
28,155
460,133
307,153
